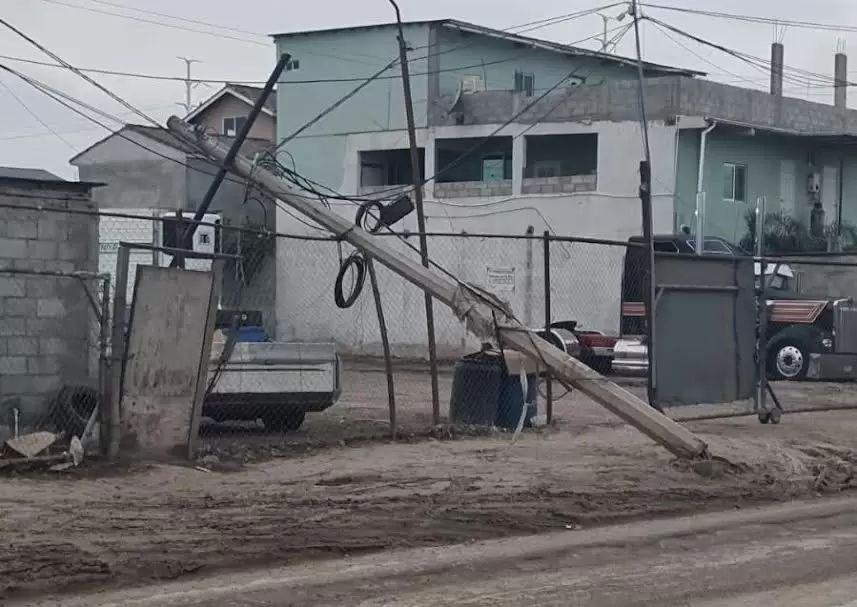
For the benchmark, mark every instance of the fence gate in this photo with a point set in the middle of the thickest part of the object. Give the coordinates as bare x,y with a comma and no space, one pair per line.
705,325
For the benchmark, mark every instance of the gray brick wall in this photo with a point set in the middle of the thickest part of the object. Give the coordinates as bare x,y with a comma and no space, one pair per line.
566,184
468,189
48,330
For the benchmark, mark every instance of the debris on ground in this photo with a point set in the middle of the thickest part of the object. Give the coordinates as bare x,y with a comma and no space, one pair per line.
33,451
31,445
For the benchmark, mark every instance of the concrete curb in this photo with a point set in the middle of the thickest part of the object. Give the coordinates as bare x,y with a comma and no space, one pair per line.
426,561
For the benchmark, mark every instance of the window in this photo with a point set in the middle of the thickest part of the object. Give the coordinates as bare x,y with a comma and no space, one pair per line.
493,168
525,83
231,126
734,182
293,65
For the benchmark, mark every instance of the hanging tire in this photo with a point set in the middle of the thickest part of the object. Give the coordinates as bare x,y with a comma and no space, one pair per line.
788,360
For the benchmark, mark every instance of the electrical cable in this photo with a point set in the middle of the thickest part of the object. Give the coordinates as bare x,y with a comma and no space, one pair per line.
36,117
813,25
525,27
756,62
69,66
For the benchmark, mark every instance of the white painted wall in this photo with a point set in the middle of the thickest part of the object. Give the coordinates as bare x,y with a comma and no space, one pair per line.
585,278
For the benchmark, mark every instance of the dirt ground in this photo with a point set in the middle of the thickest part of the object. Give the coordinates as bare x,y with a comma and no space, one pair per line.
339,487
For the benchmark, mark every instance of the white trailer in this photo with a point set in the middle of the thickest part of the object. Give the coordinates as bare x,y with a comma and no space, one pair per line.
278,382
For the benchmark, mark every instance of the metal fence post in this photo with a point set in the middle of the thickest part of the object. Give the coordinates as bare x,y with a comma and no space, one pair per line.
104,367
548,382
117,348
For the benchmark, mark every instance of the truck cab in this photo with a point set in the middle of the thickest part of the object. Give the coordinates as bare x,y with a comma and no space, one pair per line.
805,337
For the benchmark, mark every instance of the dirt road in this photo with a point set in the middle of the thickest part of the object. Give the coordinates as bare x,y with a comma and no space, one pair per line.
336,491
794,556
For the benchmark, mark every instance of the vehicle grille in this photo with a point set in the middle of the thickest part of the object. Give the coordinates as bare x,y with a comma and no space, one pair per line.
845,326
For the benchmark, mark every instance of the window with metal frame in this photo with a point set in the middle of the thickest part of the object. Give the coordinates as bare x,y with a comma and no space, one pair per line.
232,125
734,182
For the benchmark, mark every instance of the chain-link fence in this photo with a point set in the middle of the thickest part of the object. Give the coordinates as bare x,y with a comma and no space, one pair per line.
294,363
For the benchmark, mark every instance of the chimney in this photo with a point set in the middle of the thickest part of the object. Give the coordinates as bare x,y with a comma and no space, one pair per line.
777,53
840,81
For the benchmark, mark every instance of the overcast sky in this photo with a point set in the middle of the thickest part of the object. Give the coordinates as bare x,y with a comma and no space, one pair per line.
81,33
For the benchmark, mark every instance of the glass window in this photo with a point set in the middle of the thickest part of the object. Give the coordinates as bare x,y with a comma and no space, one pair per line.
493,168
734,182
231,126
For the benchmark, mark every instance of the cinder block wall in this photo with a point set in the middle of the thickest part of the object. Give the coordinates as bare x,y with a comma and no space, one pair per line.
48,330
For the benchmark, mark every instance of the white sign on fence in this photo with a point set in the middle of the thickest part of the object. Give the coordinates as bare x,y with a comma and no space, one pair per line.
501,279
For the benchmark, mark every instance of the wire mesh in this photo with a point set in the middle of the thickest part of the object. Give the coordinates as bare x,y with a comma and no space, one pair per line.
292,369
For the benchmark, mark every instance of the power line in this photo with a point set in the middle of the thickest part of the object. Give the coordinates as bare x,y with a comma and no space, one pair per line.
69,66
90,129
754,19
531,25
756,62
36,117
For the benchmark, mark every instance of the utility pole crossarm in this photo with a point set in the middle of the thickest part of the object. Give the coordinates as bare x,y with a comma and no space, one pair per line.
484,315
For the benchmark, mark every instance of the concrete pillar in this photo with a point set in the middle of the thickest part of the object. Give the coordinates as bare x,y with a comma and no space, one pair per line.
519,161
777,59
840,81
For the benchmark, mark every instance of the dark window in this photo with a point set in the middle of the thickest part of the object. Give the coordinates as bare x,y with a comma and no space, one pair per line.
525,83
293,65
734,182
231,126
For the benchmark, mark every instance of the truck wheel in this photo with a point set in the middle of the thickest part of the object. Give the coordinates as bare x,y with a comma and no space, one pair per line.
788,360
284,420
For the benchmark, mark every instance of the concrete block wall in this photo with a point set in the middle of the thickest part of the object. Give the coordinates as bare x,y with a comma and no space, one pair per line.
48,329
471,189
566,184
666,98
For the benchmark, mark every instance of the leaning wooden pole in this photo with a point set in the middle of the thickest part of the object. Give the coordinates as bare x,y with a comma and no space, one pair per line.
483,314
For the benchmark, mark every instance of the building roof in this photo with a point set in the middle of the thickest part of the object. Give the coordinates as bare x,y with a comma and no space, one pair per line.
242,92
40,177
165,137
465,27
28,174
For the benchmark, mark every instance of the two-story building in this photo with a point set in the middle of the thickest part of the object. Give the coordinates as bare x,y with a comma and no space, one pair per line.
497,157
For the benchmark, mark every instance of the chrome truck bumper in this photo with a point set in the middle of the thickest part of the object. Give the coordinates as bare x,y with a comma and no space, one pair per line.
829,366
630,356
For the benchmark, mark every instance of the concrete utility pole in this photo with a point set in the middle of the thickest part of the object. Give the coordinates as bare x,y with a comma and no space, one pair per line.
189,84
418,203
477,309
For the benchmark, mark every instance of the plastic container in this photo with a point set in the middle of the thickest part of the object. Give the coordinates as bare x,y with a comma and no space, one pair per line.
476,383
512,401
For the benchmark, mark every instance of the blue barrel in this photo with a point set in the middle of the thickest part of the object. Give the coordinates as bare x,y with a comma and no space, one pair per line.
512,401
476,384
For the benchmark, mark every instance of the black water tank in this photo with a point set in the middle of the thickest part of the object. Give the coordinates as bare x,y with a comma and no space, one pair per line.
476,385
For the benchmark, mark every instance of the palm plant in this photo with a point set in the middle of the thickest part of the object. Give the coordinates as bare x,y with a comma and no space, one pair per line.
783,234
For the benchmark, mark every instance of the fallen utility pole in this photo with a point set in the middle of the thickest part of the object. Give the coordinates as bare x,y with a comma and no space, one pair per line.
484,315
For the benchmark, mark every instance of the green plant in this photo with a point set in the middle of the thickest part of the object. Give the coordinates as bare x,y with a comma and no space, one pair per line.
784,234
